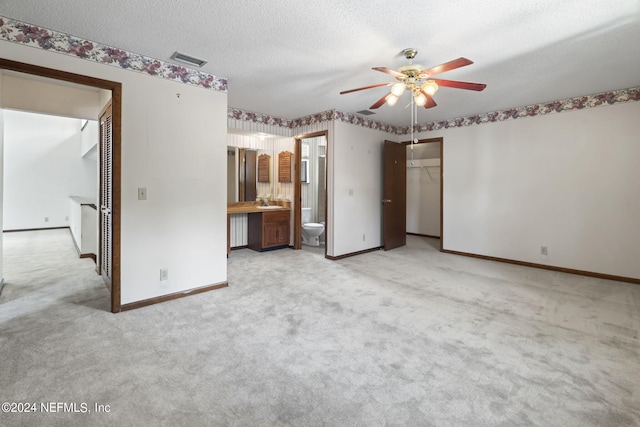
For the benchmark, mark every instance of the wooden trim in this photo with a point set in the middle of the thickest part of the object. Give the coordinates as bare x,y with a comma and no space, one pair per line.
326,193
92,256
169,297
116,100
423,235
35,229
235,248
284,166
264,168
547,267
366,251
297,194
312,134
297,189
441,194
424,141
51,73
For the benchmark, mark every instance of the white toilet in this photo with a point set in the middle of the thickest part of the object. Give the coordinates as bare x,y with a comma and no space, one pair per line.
311,231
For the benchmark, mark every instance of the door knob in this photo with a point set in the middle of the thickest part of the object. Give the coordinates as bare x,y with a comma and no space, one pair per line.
386,200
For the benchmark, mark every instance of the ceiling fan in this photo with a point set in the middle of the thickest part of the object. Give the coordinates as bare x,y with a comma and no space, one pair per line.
417,79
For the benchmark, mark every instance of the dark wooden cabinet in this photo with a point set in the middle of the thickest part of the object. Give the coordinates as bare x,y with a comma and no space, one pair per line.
268,230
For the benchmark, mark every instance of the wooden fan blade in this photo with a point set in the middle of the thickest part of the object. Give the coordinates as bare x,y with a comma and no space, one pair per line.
430,101
394,73
379,102
447,66
460,85
363,88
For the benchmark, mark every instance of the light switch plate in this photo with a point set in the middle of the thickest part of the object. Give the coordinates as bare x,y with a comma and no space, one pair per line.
142,193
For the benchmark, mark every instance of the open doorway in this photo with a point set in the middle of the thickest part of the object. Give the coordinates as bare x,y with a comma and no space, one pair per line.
424,188
310,189
112,231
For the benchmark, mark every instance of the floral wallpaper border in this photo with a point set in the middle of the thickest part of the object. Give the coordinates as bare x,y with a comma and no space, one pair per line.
30,35
570,104
325,116
265,119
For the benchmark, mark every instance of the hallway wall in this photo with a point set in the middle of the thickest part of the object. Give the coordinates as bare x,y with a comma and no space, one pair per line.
43,167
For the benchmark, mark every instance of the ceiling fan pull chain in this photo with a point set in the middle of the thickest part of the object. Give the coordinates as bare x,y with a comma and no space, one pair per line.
413,114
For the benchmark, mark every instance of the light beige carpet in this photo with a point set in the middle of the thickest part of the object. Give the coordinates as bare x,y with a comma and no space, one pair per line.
406,337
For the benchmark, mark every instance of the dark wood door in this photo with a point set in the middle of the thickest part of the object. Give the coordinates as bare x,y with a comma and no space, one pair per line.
395,195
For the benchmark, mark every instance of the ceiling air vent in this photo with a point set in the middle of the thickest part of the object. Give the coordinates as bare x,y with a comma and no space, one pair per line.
188,59
366,112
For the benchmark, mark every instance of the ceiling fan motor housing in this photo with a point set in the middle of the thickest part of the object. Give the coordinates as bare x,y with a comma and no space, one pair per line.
410,53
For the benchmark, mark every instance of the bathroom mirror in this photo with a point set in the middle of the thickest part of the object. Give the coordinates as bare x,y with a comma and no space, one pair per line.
249,174
267,172
304,171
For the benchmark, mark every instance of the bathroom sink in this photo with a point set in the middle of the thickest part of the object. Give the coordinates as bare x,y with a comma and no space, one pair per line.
270,207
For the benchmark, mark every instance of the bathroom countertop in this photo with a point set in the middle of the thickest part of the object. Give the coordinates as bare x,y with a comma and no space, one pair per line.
253,207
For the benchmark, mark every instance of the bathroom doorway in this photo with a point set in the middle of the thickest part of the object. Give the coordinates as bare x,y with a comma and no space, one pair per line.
310,214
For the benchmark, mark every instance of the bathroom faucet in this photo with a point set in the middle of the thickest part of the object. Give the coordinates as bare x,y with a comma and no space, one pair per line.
265,201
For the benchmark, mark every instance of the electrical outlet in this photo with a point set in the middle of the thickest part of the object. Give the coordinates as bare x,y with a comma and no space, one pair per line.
66,218
363,237
544,250
46,219
164,274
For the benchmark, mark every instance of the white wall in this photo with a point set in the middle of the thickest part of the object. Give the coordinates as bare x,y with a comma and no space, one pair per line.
90,136
567,181
43,167
1,179
176,148
36,94
355,164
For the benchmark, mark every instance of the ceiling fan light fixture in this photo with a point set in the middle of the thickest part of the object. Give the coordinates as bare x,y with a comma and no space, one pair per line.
430,87
419,99
398,89
392,99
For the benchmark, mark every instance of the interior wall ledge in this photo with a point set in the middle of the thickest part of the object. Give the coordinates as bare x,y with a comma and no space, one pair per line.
25,34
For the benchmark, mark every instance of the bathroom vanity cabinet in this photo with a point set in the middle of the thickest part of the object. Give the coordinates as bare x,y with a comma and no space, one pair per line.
268,230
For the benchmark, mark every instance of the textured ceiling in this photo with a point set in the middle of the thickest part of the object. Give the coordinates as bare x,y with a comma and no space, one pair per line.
289,58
